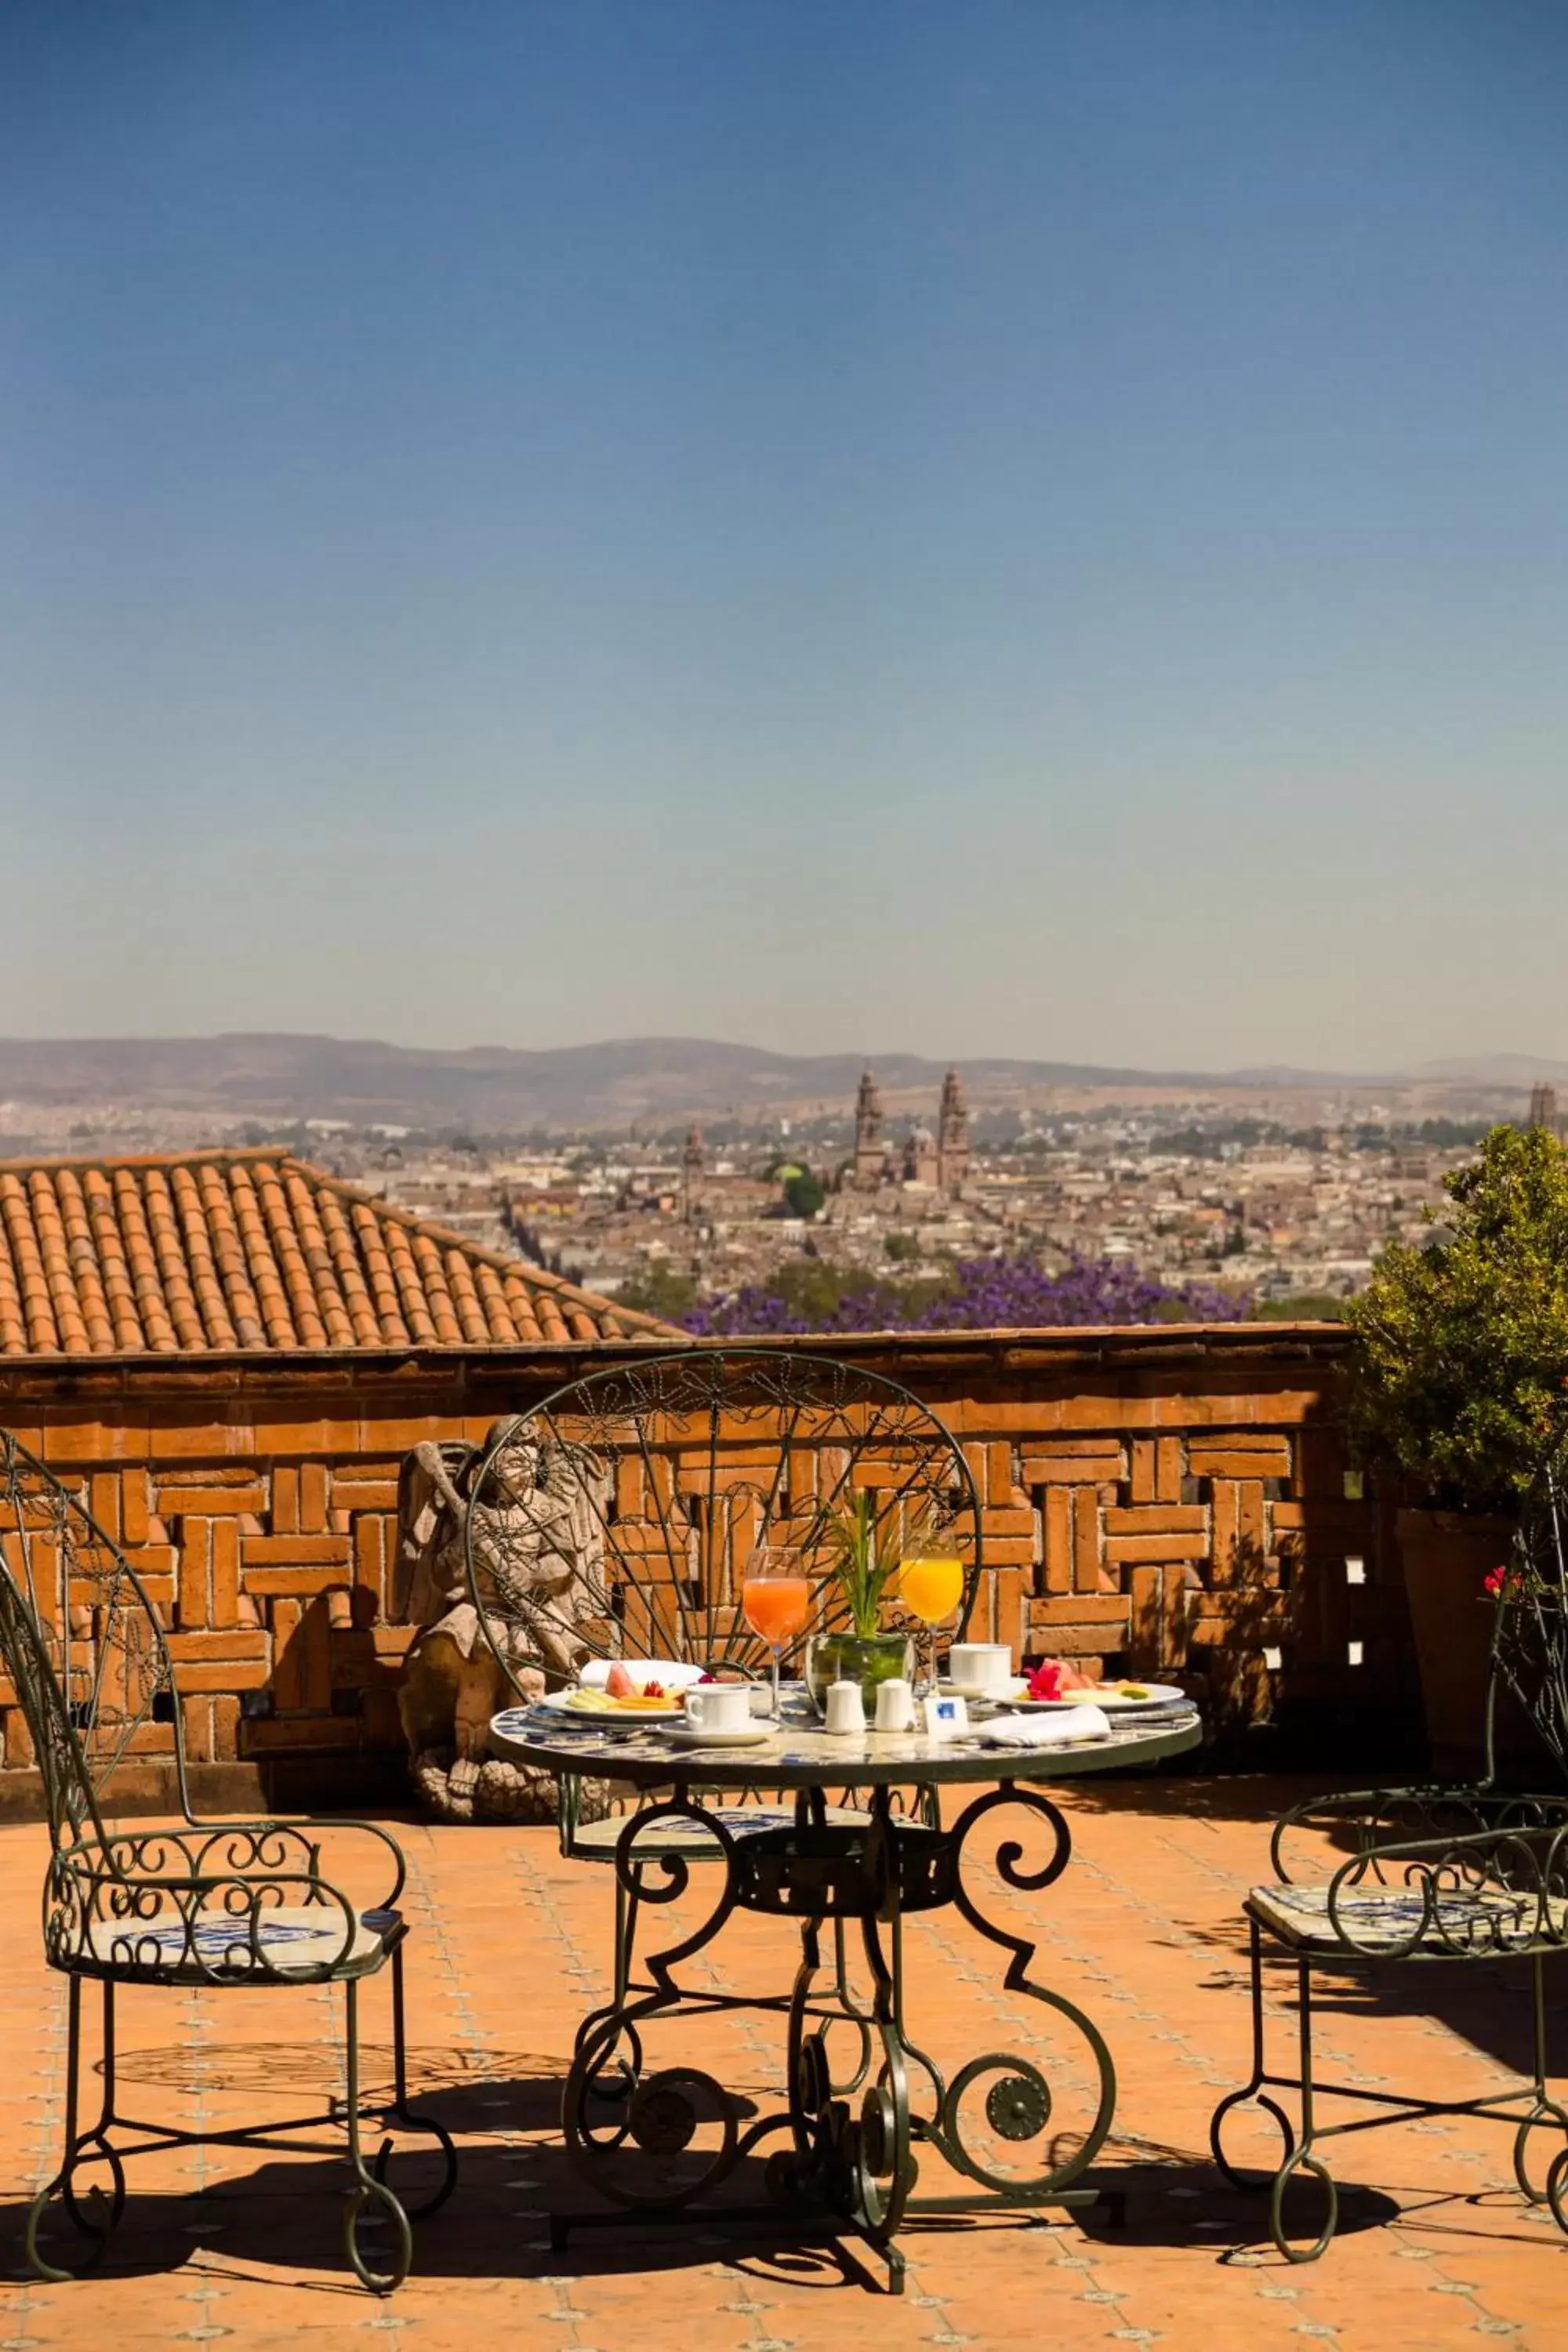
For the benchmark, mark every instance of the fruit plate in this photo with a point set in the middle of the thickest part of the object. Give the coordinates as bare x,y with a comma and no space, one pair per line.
1112,1696
672,1675
594,1707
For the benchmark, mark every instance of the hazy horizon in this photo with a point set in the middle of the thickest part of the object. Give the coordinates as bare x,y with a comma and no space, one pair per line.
1500,1068
1040,533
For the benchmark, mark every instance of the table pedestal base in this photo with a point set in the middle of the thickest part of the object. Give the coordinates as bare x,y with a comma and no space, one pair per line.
853,2146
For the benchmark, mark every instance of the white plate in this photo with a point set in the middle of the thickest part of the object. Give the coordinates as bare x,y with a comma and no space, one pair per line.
1111,1700
607,1711
686,1734
668,1673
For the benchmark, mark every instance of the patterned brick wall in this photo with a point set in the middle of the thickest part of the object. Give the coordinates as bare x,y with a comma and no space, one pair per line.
1216,1539
1154,1503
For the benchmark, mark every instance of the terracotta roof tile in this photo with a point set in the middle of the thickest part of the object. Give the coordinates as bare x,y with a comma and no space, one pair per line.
257,1251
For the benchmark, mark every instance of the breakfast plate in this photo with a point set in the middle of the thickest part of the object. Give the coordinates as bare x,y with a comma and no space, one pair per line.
672,1675
1124,1697
597,1706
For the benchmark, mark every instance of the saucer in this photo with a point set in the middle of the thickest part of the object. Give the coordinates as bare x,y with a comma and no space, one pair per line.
687,1735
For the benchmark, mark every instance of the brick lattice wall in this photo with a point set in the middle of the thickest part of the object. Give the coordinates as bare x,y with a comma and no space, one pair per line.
1152,1501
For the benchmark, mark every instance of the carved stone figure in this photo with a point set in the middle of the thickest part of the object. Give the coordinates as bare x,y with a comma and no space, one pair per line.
538,1527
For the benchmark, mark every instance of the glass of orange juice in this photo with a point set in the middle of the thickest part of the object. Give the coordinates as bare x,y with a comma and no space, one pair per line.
775,1596
930,1588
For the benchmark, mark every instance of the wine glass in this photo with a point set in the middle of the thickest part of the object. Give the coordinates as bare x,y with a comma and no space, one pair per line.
775,1595
930,1589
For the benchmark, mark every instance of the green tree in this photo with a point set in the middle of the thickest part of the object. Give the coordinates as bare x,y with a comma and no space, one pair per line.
1463,1344
1301,1306
804,1195
814,1286
660,1290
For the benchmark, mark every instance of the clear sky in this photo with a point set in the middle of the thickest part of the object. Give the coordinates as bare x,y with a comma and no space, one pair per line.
1033,529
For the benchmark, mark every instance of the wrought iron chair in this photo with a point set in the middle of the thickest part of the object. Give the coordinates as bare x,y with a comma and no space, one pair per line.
1475,1872
208,1905
691,1463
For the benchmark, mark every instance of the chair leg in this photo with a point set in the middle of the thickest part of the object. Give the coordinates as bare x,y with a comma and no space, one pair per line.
108,2209
1545,2110
368,2189
1250,2089
409,2117
628,2044
1302,2159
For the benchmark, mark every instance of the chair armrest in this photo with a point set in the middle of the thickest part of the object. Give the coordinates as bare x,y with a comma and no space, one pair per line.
263,1836
140,1912
1482,1891
1373,1816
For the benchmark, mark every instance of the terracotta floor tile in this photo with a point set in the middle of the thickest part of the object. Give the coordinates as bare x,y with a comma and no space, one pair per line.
510,1946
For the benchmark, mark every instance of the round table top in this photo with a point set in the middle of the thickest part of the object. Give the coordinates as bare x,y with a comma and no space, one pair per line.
799,1754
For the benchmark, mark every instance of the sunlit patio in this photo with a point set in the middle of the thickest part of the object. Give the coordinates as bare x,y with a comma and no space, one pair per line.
508,1949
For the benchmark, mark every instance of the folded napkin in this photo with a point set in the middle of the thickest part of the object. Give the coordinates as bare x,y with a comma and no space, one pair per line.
1068,1729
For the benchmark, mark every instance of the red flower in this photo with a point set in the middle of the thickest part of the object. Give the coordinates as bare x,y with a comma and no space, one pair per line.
1496,1580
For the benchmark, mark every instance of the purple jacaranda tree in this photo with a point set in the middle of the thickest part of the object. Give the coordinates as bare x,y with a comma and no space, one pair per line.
1000,1294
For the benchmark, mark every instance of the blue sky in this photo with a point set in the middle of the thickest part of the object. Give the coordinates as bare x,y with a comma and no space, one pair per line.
863,523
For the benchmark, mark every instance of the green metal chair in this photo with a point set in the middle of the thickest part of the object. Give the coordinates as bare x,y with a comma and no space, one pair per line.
1433,1874
690,1462
203,1904
687,1464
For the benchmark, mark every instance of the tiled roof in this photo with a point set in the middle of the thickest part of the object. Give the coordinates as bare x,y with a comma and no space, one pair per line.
220,1250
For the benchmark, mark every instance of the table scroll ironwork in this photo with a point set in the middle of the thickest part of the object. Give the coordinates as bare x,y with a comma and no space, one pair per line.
847,2143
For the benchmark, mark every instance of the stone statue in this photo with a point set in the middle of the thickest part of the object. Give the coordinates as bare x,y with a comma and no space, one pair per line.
539,1546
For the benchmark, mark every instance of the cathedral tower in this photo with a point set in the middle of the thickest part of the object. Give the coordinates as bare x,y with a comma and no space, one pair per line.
952,1134
692,1165
868,1146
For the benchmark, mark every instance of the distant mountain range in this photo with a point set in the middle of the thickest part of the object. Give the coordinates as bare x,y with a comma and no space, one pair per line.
496,1088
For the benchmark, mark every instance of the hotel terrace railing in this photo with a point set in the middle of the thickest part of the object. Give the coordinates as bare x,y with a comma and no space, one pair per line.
1167,1499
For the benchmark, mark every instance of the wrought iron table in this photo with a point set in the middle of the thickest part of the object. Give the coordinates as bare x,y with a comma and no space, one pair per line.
656,2141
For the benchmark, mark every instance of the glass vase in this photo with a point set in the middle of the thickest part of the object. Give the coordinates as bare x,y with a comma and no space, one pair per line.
868,1659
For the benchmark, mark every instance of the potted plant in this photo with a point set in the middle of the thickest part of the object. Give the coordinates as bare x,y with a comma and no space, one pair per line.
1457,1381
863,1564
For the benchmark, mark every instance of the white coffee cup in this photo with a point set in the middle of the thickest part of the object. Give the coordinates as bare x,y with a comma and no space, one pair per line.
981,1669
719,1706
846,1708
895,1707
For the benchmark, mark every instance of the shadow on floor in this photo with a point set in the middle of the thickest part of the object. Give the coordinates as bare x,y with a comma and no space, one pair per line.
486,2091
1485,2001
289,2214
473,2095
1184,2202
1186,2205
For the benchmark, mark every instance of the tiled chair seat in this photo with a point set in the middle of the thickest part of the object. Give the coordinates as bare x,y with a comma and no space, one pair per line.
1479,1919
596,1840
294,1940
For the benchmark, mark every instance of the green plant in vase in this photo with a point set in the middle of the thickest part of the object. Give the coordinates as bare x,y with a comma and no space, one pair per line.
863,1553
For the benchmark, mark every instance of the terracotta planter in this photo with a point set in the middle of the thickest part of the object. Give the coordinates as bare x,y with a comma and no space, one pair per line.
1448,1557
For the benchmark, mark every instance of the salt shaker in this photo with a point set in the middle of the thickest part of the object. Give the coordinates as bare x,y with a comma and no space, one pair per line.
845,1708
